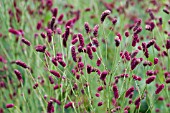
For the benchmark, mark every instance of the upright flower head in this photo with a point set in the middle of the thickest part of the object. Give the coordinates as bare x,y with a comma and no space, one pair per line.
115,91
73,53
87,27
54,12
103,75
81,39
50,107
18,74
168,44
104,14
95,30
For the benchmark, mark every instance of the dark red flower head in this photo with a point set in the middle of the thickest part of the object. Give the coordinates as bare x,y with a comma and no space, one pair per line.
50,107
54,12
129,91
150,79
18,74
95,30
40,48
103,75
100,103
87,27
166,11
9,105
73,53
104,14
117,41
115,91
159,89
20,63
168,44
43,35
69,104
13,31
55,73
81,39
25,41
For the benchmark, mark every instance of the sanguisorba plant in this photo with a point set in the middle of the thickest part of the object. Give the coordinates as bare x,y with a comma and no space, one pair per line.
79,56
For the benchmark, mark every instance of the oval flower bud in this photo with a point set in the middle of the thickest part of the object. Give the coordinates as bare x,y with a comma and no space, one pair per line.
95,30
55,73
54,61
25,41
51,80
129,91
73,53
89,52
137,102
100,103
150,79
54,12
115,91
168,44
156,60
100,88
70,104
13,31
89,69
87,27
99,60
81,39
117,41
43,35
20,63
104,14
50,107
159,89
18,74
103,75
9,105
40,48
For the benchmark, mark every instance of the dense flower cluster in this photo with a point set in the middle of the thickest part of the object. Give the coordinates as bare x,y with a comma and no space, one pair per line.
68,57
